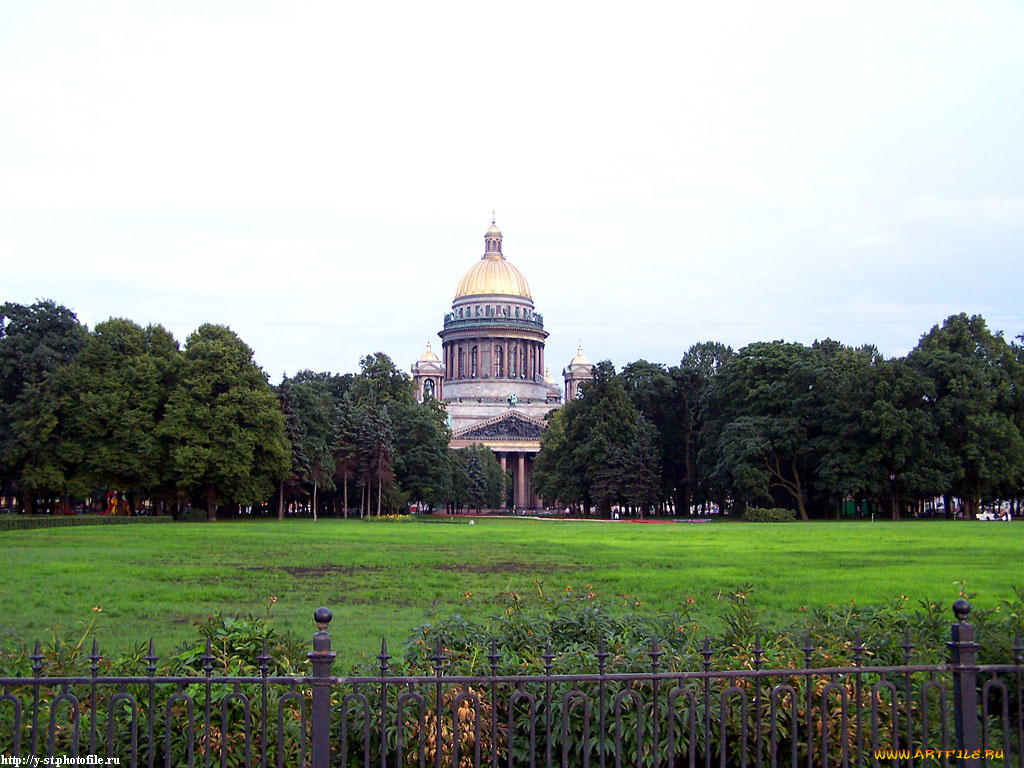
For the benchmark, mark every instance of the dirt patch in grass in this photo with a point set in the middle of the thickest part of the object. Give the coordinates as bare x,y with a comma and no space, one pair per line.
322,570
503,566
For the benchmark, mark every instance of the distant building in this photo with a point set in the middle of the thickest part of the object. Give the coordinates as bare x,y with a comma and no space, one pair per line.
491,374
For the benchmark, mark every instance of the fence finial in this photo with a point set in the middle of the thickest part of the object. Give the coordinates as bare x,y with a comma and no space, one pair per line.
37,660
264,659
151,659
493,655
961,608
438,657
322,617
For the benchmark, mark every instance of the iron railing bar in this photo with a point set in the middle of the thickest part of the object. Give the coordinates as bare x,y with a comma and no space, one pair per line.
133,730
460,679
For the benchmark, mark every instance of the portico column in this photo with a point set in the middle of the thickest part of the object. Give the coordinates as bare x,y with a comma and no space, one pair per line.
529,484
504,478
521,499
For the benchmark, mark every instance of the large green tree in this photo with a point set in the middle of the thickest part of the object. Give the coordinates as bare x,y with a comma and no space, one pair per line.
482,477
311,411
36,342
552,475
642,464
763,422
692,382
114,396
976,404
881,440
671,401
374,455
653,391
380,382
421,450
226,429
344,445
585,441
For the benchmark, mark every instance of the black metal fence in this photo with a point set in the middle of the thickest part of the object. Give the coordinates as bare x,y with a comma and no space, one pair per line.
956,713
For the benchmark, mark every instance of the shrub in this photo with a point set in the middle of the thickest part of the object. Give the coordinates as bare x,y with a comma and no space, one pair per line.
773,515
194,515
24,523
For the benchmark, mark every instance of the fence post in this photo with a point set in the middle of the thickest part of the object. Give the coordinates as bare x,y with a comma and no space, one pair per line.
322,658
965,687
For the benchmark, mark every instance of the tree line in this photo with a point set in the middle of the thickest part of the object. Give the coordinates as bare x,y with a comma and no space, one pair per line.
804,427
123,410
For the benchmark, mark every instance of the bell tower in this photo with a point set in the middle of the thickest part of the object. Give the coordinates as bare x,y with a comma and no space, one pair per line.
579,370
428,376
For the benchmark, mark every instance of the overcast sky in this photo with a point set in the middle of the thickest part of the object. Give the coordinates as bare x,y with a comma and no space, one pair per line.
319,176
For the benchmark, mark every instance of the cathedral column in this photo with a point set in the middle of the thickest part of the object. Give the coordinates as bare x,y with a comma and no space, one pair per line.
504,477
521,500
529,484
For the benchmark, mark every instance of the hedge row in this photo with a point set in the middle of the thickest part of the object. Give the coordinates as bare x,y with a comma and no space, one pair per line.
774,515
24,523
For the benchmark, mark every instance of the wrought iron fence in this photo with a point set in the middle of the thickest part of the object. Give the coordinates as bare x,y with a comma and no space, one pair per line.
956,713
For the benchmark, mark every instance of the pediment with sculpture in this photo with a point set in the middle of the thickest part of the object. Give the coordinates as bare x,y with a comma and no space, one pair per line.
509,425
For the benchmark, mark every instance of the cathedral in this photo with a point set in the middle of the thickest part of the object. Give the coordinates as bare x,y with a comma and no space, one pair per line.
491,375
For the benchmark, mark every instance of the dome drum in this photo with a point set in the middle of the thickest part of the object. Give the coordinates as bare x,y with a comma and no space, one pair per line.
534,323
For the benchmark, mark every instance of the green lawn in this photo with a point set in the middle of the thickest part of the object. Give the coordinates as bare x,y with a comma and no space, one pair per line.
385,578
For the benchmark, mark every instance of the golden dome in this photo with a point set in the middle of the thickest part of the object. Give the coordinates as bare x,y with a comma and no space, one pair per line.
428,356
580,358
493,275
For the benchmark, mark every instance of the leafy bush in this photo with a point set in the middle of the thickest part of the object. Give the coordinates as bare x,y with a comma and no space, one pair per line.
194,515
773,515
390,518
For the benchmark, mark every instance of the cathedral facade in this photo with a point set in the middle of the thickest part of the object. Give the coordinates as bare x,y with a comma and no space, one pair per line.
491,375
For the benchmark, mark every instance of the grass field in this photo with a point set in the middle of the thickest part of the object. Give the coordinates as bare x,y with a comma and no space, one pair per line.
385,578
